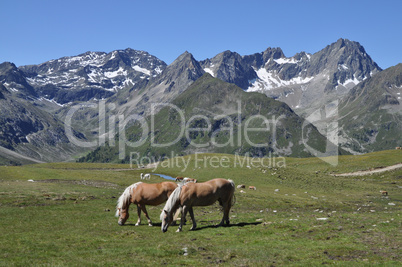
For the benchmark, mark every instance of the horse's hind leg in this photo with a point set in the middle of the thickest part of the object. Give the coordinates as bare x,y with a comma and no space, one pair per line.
146,214
226,208
226,211
139,215
190,210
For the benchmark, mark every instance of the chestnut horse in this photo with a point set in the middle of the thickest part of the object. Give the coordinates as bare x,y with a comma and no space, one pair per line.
198,194
142,194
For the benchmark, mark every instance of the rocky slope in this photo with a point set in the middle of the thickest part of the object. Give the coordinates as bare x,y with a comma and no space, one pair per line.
163,88
218,117
92,75
31,131
304,81
371,114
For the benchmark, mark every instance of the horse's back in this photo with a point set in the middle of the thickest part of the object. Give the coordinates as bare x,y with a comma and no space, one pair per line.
204,194
151,194
220,184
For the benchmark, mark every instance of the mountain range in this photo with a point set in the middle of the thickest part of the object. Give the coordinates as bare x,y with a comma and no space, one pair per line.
35,100
215,116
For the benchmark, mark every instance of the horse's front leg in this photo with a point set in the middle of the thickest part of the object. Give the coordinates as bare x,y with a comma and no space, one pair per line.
192,218
183,218
139,215
178,212
146,214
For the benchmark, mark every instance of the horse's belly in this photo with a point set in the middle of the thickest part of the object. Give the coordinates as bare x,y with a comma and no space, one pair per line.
204,202
152,201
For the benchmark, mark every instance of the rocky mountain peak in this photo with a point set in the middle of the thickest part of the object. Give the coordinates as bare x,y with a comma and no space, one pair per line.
230,67
272,53
92,75
183,71
15,81
163,88
184,57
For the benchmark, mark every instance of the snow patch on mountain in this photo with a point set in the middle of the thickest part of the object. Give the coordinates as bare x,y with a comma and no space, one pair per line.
143,70
286,61
210,71
353,81
52,101
114,74
268,80
13,87
114,71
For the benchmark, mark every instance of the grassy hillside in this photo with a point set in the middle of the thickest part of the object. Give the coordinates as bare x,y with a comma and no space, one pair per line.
217,117
66,216
371,115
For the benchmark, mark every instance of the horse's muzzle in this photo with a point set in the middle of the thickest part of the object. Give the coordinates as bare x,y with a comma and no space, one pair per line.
120,223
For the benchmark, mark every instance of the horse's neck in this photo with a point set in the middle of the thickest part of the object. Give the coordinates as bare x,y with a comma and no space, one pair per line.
176,206
174,200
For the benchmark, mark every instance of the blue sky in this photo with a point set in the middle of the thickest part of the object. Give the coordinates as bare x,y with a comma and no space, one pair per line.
36,31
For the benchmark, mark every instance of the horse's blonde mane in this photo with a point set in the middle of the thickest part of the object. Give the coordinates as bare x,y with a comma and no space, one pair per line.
125,198
171,202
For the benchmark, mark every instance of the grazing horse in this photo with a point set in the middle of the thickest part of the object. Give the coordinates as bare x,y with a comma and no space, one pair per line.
185,179
146,176
189,180
142,194
201,194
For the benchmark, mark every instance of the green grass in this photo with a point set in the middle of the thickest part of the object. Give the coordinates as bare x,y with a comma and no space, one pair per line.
66,217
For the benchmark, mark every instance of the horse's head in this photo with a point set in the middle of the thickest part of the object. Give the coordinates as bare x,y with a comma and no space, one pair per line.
167,219
123,215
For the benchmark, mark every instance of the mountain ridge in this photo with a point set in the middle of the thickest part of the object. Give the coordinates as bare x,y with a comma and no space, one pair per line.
371,114
217,116
129,81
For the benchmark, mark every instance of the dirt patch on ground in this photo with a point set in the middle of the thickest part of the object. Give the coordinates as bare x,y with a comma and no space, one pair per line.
369,172
100,184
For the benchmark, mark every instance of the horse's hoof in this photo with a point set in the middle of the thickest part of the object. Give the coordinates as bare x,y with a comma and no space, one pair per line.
178,230
150,225
137,224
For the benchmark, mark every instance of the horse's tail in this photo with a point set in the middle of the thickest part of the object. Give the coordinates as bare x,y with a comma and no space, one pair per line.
172,200
124,199
233,196
232,192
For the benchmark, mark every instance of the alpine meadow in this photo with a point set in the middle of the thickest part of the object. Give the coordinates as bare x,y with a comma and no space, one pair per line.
308,149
